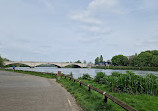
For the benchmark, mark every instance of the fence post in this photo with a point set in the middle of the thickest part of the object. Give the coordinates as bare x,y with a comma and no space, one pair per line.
89,89
80,83
58,75
105,98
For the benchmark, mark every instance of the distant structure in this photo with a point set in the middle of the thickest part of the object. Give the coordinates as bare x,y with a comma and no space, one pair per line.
103,64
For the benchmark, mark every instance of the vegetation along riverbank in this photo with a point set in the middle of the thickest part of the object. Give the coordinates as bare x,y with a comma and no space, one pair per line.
137,91
127,68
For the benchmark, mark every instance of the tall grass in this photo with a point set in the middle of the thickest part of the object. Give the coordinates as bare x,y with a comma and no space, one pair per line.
129,82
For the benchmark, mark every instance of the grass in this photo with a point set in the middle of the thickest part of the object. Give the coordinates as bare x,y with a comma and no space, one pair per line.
46,75
141,102
89,101
129,82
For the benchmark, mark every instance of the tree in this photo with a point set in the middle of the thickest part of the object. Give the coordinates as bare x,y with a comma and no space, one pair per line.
78,61
5,59
101,58
155,61
1,61
144,59
131,60
119,60
97,60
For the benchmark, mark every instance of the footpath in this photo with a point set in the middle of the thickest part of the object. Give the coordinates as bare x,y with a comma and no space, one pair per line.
22,92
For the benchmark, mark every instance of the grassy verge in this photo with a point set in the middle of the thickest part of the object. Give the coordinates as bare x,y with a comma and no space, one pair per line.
141,102
46,75
89,101
93,101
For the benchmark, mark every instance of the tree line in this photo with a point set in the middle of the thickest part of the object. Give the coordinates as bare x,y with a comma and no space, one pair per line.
144,59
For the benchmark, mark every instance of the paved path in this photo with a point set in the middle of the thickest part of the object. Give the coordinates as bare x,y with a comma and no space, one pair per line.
22,92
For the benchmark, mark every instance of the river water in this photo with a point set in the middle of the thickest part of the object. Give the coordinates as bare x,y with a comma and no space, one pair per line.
78,72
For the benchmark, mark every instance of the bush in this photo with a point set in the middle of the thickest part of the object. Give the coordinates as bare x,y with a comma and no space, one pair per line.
99,77
86,77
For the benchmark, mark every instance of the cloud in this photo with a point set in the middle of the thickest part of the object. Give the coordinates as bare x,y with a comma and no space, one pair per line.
85,17
89,18
102,4
96,29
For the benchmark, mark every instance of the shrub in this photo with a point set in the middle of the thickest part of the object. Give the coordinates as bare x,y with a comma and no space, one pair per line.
99,77
86,77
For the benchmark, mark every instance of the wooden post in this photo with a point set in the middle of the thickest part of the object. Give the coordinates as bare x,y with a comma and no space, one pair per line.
80,83
89,89
105,98
59,75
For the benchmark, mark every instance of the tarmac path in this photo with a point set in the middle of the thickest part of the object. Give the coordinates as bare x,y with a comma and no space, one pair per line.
22,92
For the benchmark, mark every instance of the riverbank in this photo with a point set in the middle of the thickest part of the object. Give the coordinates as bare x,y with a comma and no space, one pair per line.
92,101
46,75
127,68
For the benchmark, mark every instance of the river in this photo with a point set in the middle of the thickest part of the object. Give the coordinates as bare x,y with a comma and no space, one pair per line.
78,72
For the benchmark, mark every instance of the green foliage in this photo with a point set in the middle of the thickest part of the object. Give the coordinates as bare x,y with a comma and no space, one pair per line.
119,60
99,77
41,74
86,77
144,59
101,58
93,101
5,59
89,101
97,60
155,61
132,59
130,83
78,61
1,61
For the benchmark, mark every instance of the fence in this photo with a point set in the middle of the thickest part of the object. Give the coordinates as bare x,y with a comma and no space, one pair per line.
106,95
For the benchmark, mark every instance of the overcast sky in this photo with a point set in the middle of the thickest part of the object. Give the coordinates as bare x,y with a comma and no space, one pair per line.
68,30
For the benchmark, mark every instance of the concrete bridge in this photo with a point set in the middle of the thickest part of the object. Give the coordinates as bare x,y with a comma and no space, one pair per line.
34,64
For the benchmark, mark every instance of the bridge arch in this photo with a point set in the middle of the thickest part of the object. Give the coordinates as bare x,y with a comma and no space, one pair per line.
48,64
73,65
18,64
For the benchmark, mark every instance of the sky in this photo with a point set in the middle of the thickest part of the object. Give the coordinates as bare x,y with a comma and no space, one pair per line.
70,30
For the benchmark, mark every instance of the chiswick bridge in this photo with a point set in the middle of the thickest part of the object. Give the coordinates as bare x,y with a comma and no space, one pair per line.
57,64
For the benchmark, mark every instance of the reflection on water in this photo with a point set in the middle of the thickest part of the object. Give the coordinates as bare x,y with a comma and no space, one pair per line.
78,72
